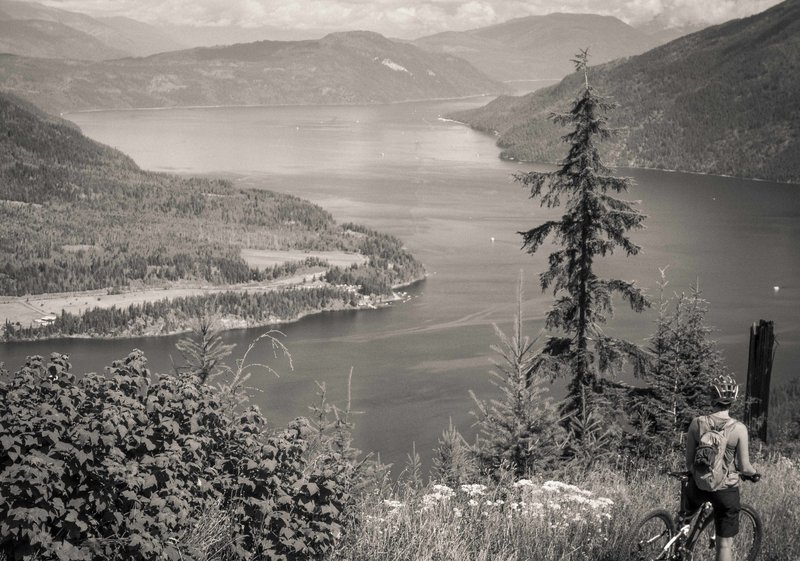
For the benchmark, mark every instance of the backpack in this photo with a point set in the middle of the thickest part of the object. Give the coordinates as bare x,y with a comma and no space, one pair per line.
710,471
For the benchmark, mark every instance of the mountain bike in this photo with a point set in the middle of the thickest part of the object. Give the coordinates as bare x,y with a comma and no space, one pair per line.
656,537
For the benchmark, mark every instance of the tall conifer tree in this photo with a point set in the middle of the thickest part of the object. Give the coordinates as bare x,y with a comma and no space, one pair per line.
593,225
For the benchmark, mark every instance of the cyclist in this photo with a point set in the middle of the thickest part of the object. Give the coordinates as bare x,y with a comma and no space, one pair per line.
725,499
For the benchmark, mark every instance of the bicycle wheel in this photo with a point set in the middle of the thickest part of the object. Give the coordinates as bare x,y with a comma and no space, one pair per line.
650,537
746,544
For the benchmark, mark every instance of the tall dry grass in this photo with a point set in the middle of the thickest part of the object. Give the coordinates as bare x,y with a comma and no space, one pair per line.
543,522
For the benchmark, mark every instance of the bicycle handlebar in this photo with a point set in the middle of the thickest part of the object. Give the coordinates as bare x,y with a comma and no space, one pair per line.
684,476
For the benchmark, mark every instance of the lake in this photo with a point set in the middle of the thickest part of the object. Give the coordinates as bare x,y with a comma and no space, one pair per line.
440,187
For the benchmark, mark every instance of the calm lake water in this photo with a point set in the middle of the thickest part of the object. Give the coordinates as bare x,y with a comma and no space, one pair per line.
440,187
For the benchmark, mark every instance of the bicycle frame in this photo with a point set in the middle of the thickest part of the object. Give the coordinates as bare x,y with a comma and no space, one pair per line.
690,532
666,553
697,526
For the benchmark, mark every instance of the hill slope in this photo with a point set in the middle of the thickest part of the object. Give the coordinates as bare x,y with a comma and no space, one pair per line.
353,67
35,30
721,101
76,215
49,39
540,47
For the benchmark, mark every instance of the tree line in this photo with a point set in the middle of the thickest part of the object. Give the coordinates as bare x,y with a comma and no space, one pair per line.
177,314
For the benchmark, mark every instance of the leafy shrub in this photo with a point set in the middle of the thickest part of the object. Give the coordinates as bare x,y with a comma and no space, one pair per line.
128,464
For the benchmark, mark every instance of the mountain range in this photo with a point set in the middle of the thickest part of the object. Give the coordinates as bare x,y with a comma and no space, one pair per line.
524,48
36,30
540,47
351,68
723,101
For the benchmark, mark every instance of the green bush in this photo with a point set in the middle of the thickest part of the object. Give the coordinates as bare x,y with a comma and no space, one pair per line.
129,465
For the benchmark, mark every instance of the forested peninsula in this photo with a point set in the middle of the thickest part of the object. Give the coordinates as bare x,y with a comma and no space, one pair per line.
82,220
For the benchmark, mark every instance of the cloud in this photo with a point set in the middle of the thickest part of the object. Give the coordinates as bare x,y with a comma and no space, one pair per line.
476,14
683,12
406,18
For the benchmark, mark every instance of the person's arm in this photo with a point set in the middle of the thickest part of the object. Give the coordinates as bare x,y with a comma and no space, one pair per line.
691,444
743,451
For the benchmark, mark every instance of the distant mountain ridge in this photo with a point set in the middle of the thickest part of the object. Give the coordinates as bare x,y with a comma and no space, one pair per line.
540,47
722,101
49,39
36,30
341,68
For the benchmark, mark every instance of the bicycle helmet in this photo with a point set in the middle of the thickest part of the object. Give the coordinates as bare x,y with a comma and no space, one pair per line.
725,389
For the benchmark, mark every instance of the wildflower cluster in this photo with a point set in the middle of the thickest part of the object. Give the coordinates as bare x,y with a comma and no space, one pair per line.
561,503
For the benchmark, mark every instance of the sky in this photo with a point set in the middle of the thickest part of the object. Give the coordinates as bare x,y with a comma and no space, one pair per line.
403,18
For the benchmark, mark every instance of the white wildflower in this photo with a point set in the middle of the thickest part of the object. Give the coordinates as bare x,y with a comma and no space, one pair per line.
561,487
473,489
392,504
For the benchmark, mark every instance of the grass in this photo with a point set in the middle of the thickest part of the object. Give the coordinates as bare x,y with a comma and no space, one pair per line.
549,521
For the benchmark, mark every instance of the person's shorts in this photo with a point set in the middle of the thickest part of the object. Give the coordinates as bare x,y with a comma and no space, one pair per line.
726,505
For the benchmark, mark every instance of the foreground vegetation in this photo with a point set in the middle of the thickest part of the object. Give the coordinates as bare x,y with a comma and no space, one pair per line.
137,465
130,465
575,517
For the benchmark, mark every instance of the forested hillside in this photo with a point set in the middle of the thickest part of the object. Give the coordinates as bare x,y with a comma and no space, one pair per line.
77,215
540,47
352,67
721,101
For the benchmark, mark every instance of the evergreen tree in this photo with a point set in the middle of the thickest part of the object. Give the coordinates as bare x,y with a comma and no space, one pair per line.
332,443
518,433
593,225
684,361
203,350
411,475
453,460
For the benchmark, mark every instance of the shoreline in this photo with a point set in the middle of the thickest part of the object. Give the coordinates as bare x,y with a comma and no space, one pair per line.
65,114
495,134
230,323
